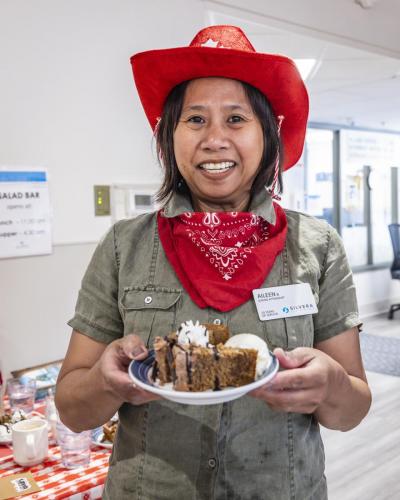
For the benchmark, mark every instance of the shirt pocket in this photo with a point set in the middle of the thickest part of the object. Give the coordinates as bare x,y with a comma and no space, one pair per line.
289,333
149,312
299,331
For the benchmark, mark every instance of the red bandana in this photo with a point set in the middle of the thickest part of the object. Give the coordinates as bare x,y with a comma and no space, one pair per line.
220,257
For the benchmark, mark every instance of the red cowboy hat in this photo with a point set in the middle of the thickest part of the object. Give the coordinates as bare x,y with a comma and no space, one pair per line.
225,51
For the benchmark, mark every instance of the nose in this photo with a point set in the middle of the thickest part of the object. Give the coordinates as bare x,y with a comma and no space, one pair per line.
215,137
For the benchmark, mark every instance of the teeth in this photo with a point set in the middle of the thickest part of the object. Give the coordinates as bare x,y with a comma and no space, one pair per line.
217,166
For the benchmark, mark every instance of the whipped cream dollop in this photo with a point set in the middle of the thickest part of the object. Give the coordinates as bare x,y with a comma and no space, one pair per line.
251,341
193,333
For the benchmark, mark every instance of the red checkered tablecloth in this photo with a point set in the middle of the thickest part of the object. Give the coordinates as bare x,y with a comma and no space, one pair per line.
57,482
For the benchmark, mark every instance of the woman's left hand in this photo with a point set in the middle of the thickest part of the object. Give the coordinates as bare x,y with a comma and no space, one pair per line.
304,384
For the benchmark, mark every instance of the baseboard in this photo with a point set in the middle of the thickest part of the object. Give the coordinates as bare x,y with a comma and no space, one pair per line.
374,308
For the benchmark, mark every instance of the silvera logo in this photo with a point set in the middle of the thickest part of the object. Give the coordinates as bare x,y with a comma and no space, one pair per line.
285,309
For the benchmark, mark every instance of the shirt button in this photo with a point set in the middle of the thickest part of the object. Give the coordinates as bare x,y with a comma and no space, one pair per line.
217,321
212,463
148,300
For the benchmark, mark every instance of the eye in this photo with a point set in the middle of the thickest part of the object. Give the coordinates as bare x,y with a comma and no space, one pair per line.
195,119
235,119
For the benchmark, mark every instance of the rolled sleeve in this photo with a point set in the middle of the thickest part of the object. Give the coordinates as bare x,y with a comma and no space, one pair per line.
337,307
96,313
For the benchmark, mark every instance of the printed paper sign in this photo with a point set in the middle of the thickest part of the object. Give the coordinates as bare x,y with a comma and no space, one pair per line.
284,301
24,214
16,485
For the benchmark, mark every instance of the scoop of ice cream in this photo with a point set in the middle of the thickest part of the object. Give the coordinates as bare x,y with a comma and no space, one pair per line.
193,333
251,341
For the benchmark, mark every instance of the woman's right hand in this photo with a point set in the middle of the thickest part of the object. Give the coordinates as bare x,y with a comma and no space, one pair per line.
114,364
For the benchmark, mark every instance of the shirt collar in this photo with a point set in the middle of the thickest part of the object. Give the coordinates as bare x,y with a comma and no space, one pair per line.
261,205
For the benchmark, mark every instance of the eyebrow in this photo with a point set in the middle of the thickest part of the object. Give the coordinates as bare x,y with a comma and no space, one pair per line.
200,107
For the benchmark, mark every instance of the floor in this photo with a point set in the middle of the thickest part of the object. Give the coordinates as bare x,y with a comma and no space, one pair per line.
364,464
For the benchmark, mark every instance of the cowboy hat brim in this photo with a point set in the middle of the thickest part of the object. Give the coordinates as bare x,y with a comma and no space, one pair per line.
157,72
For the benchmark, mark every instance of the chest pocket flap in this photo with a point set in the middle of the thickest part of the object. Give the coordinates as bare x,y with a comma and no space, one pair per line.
135,299
149,313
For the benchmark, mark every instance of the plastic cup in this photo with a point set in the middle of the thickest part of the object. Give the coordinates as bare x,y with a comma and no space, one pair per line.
74,446
51,414
21,394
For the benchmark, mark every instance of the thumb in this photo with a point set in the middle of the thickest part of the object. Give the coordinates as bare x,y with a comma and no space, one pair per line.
294,359
133,347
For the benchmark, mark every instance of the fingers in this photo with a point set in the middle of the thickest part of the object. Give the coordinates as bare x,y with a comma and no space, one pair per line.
296,358
299,378
132,346
113,367
139,396
121,384
298,401
302,387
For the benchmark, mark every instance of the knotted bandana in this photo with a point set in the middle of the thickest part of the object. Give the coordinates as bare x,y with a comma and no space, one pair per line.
220,257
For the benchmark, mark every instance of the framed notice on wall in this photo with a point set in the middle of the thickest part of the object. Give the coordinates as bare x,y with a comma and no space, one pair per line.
24,213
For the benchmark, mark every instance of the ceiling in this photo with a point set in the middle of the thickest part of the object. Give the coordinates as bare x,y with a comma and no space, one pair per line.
348,86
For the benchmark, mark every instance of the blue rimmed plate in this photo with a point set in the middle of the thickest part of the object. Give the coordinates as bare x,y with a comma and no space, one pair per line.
140,372
98,438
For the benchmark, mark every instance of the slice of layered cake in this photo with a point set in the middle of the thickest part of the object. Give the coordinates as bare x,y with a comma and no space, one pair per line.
199,358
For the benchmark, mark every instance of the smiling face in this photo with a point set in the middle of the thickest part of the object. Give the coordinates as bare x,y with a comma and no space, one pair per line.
218,144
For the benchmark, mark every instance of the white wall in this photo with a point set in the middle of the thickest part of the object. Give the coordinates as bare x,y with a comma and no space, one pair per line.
37,297
67,103
376,291
67,96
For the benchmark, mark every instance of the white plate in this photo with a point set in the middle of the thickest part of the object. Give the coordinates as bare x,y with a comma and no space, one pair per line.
97,438
6,439
140,373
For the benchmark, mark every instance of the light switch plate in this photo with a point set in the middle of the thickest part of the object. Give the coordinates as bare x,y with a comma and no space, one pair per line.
102,200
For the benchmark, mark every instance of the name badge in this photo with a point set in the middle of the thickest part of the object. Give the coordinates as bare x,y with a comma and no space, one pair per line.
284,301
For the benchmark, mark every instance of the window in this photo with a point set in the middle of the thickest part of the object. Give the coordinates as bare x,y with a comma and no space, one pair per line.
308,186
367,194
363,202
318,196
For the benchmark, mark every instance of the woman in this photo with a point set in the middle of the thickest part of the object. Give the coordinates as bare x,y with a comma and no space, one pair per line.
226,120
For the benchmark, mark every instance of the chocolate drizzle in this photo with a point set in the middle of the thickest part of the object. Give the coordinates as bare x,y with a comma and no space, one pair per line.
155,371
216,357
171,343
170,357
189,366
188,358
215,351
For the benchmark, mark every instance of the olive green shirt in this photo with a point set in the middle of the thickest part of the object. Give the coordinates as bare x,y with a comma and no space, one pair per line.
236,450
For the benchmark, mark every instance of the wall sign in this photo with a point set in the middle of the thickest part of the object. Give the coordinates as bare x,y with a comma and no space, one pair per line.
24,213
